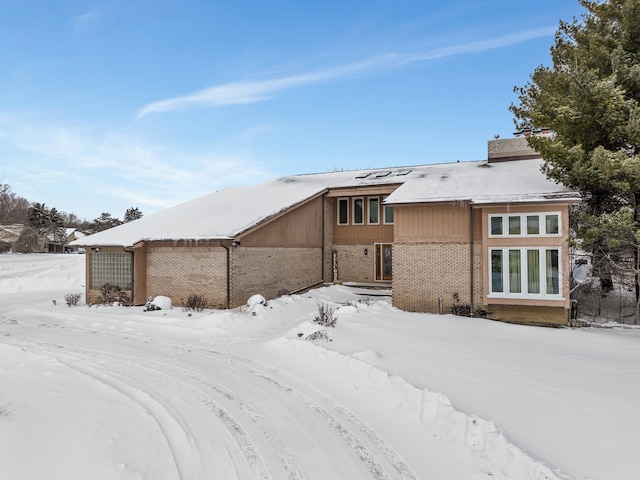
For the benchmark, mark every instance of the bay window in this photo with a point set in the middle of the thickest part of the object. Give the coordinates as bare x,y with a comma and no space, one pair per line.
525,272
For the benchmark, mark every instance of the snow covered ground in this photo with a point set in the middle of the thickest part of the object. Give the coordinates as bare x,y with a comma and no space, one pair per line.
118,393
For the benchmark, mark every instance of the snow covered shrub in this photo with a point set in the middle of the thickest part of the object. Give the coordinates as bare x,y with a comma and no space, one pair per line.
195,302
326,316
110,294
255,303
319,335
158,303
72,298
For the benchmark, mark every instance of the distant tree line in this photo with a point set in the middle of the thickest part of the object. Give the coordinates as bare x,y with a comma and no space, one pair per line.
43,223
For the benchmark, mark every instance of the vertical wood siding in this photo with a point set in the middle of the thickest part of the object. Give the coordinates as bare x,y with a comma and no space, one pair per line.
432,223
300,227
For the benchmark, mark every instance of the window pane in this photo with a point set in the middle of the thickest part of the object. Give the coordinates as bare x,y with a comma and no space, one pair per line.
514,225
496,271
115,268
343,211
552,224
358,211
496,225
533,271
515,273
533,225
553,272
388,214
374,210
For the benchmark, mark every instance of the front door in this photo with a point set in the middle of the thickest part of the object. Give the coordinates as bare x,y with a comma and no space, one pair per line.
383,261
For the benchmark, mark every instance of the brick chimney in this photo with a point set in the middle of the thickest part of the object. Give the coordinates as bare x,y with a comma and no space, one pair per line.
517,148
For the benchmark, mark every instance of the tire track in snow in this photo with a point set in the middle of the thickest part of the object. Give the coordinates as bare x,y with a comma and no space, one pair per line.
177,436
258,369
398,468
175,429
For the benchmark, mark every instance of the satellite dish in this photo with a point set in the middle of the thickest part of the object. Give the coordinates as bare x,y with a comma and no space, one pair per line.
581,273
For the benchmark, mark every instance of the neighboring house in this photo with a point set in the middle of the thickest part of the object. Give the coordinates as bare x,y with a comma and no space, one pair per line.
490,237
8,235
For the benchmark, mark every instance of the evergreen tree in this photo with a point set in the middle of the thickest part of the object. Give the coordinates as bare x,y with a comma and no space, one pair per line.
38,216
590,98
132,213
104,222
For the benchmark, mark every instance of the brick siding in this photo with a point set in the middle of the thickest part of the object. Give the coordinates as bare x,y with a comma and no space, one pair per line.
354,265
423,273
509,147
177,272
272,271
529,315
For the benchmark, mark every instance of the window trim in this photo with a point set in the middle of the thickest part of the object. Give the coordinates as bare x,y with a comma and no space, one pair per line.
524,273
354,201
542,225
384,213
340,200
377,199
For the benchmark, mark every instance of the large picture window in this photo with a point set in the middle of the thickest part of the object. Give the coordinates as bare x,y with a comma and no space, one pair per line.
525,272
115,268
525,225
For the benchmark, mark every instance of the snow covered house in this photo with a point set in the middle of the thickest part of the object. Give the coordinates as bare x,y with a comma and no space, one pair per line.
487,236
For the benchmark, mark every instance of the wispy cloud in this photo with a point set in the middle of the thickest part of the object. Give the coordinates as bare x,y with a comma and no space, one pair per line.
156,176
86,19
252,91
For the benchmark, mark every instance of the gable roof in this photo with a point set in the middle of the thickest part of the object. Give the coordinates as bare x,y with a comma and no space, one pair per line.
227,213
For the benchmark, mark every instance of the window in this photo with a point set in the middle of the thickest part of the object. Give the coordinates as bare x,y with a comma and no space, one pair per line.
115,268
496,226
358,211
387,212
525,225
514,225
374,210
343,211
525,272
551,222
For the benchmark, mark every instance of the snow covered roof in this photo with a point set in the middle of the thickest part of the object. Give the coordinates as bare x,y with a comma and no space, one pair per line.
227,213
482,182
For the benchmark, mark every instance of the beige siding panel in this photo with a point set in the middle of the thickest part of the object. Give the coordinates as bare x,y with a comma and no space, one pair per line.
140,275
432,223
358,234
300,227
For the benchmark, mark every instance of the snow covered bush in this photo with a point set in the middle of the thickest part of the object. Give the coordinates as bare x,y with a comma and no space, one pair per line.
195,302
112,294
158,303
319,335
326,316
255,303
72,298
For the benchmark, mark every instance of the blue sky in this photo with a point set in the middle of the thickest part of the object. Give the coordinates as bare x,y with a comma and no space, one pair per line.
149,103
